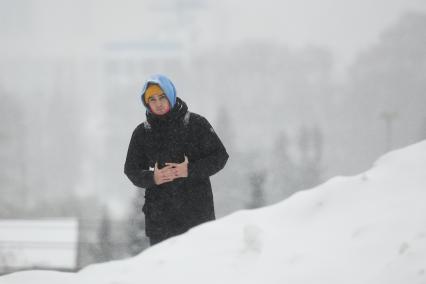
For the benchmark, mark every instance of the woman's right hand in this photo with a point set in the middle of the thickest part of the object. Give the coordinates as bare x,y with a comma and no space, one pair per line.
163,175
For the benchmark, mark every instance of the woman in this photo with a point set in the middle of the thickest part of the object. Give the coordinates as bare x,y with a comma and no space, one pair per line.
172,155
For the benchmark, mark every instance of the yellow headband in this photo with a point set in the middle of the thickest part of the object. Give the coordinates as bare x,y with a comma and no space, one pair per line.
152,90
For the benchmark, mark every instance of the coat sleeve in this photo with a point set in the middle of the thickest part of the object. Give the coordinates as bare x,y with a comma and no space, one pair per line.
136,166
214,155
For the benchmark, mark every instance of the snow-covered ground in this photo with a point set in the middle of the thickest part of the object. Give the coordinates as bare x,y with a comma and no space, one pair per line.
369,228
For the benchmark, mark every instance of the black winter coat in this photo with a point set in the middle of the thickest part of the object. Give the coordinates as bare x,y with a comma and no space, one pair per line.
174,207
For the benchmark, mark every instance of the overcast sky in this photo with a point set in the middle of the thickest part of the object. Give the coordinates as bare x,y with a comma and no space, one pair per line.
346,27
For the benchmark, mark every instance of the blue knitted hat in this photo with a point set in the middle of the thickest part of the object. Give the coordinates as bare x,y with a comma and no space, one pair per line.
165,84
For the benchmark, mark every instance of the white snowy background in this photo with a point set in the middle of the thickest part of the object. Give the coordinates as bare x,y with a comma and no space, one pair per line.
368,228
299,92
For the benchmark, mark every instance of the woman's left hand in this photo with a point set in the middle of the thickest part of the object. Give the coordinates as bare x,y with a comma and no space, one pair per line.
180,169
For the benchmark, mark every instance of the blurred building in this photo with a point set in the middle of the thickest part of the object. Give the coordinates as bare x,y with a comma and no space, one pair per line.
38,244
75,69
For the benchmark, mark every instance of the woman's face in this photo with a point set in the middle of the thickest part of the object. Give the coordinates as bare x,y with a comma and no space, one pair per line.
159,104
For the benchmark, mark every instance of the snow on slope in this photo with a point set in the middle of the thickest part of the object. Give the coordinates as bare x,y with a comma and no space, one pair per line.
369,228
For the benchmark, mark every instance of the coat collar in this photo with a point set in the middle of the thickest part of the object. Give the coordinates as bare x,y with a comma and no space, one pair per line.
176,114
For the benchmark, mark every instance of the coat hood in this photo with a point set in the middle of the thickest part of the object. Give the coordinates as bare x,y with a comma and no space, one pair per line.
165,84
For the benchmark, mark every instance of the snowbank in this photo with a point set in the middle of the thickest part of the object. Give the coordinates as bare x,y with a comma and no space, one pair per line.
369,228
